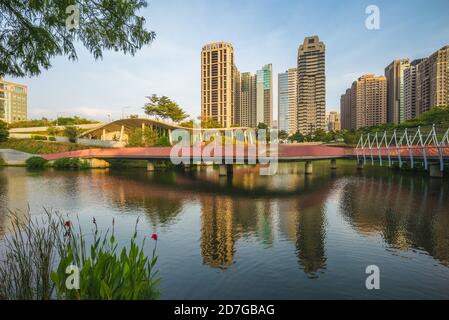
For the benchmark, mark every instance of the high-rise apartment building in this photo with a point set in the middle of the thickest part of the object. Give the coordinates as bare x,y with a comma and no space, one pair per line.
432,81
365,104
311,85
410,89
264,100
288,101
395,90
13,101
333,121
248,100
218,87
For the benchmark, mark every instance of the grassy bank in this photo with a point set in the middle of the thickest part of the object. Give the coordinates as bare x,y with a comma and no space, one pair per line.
40,147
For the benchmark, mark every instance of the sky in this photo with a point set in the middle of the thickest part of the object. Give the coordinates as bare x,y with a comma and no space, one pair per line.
261,31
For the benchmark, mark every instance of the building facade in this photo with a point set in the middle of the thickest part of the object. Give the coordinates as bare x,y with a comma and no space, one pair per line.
248,100
218,87
333,121
288,101
395,90
264,100
311,85
410,90
365,104
13,102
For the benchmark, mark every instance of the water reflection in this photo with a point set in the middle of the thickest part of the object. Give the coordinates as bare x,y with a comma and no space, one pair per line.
251,221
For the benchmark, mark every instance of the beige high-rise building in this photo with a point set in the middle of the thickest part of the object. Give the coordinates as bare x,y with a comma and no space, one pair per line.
248,100
333,121
218,83
432,81
410,89
13,101
365,104
395,90
264,100
311,85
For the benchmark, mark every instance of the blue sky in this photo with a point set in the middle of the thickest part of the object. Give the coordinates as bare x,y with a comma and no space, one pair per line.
262,31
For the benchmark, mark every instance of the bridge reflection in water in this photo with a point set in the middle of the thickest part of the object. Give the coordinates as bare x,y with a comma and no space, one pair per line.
250,212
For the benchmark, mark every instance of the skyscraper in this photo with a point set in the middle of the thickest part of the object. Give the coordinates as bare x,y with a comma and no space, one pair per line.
333,121
288,101
365,104
395,90
264,108
432,81
410,90
218,87
13,101
311,85
248,100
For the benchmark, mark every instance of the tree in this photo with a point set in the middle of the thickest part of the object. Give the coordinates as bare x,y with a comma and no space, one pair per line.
163,107
72,133
187,124
283,135
34,32
298,137
209,123
52,131
148,138
4,133
262,126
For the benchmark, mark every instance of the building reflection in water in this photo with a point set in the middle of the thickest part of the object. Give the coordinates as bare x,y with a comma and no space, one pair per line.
409,213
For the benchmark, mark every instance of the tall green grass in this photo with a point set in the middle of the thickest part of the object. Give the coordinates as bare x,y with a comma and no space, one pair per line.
36,253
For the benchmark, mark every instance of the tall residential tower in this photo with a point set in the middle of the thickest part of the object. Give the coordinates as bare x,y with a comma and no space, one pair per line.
311,85
288,101
13,102
218,87
395,90
264,100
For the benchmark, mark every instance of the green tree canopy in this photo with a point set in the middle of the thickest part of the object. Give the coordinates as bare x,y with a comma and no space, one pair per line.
283,135
164,108
4,133
32,32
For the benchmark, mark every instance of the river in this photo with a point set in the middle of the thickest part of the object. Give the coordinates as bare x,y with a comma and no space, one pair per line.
287,236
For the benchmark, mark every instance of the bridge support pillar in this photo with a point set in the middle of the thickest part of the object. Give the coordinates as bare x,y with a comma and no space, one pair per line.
226,170
435,171
150,166
97,163
309,167
334,164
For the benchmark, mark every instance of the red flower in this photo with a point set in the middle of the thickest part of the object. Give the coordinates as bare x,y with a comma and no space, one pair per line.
154,237
67,224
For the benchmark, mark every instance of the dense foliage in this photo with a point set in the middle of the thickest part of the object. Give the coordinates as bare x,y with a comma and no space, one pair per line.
72,133
36,163
4,133
70,163
40,147
164,108
44,122
32,33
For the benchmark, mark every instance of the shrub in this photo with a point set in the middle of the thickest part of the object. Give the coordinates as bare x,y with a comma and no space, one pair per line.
4,133
104,274
163,142
137,138
53,131
72,133
2,162
53,139
40,138
70,163
36,163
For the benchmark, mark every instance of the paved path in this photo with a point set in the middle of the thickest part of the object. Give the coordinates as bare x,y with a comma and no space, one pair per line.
285,153
14,157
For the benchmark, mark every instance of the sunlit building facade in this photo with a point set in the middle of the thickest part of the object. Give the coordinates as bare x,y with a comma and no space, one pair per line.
13,102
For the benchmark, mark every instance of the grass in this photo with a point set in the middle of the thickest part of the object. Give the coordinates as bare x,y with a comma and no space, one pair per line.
38,250
40,147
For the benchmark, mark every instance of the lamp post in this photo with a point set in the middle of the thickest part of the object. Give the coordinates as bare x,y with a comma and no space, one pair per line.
123,111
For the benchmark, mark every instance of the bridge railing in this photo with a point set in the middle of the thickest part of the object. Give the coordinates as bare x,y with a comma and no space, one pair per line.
409,145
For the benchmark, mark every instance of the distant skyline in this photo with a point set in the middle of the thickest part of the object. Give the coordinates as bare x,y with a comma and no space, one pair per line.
261,32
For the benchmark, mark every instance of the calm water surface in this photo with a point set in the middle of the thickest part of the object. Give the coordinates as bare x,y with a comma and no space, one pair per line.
251,237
